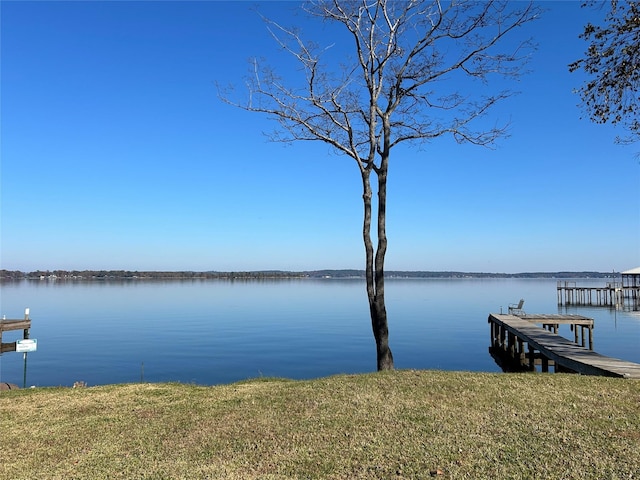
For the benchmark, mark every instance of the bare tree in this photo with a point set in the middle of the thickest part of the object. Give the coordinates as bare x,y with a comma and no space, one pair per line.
385,94
612,61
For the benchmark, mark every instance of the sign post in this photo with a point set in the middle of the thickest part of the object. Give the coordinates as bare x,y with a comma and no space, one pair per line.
26,345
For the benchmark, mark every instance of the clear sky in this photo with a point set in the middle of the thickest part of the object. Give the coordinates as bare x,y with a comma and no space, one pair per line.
118,154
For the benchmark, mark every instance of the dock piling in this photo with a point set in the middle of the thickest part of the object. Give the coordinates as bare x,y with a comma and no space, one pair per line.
547,348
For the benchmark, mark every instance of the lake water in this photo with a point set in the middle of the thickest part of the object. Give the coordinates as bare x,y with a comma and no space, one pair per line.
218,331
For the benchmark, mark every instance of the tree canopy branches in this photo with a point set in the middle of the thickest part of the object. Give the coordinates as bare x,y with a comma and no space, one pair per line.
612,61
404,52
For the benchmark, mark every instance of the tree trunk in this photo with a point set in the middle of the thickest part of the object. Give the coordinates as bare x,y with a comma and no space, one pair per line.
375,269
381,333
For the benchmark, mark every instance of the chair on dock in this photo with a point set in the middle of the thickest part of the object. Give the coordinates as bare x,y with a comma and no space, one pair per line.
516,309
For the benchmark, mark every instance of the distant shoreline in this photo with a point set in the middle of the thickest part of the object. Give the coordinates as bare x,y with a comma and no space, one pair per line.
102,275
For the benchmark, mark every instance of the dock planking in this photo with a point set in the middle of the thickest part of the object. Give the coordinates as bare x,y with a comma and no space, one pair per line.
551,322
510,332
6,325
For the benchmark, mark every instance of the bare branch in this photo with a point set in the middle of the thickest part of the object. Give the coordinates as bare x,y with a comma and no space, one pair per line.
403,52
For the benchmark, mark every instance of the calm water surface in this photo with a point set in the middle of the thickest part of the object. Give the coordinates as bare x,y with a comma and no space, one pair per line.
214,331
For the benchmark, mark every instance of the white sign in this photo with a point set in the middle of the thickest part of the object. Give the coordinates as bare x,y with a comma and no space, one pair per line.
29,345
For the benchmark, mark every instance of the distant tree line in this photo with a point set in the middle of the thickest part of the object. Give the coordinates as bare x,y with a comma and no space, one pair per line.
453,274
139,275
102,275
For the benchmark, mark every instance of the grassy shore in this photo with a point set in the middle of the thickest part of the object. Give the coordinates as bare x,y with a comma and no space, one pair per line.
395,425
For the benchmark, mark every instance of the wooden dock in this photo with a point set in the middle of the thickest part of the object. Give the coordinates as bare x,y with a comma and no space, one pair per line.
7,325
510,333
611,294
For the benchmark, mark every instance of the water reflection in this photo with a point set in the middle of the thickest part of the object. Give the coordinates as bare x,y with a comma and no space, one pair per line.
218,331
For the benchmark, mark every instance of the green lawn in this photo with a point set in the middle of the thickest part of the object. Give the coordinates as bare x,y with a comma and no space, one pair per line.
392,425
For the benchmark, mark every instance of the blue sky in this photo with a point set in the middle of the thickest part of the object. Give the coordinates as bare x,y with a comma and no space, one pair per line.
117,154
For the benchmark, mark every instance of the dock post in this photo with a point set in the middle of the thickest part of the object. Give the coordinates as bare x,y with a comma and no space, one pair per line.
490,331
521,353
544,363
25,335
495,333
491,340
511,339
26,330
532,358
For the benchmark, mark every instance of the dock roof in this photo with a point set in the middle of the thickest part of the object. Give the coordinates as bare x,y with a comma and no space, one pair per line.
633,271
